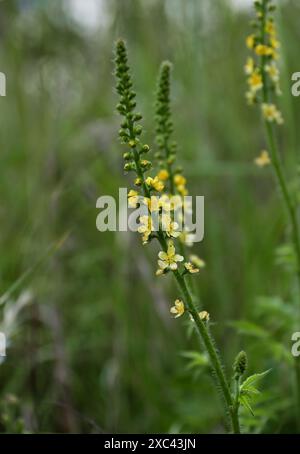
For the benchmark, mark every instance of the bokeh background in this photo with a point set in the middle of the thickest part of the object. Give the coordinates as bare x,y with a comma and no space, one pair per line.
91,344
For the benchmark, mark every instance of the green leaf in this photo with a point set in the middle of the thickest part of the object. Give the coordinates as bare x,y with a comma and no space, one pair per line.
250,329
245,401
253,379
195,358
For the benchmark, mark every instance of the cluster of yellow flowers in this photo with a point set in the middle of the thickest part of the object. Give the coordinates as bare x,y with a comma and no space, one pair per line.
261,68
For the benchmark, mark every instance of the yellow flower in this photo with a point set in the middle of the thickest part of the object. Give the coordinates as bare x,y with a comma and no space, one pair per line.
271,113
179,180
273,72
133,197
169,226
163,175
274,43
270,28
199,263
263,160
263,50
178,308
153,203
249,66
192,269
250,41
204,315
169,259
155,183
146,228
255,81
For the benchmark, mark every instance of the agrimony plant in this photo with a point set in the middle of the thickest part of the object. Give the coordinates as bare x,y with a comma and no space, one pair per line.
263,78
169,181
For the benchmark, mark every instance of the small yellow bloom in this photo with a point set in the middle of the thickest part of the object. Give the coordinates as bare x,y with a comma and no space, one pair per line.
270,28
169,259
249,66
263,160
155,183
250,41
192,269
274,43
263,50
273,72
133,197
163,175
146,227
199,263
255,81
179,180
178,308
153,203
271,113
204,315
169,226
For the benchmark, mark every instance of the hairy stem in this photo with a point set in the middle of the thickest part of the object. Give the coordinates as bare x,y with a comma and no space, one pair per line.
212,352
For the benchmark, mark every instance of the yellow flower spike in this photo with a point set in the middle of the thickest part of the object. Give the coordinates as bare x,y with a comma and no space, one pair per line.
178,308
250,41
204,315
133,197
168,260
197,261
255,81
163,175
249,66
191,268
271,113
263,160
155,183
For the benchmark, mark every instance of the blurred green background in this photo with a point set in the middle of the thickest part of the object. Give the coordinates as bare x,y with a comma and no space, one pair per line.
91,344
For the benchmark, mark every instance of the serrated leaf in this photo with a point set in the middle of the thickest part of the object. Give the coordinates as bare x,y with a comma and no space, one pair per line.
253,379
250,390
245,401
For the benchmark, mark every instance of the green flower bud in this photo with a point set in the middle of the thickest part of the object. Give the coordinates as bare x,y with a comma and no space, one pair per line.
240,364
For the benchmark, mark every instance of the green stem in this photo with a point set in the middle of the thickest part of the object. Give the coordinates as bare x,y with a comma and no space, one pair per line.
288,201
212,352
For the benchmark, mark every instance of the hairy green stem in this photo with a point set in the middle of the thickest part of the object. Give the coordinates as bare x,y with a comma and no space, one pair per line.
212,352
